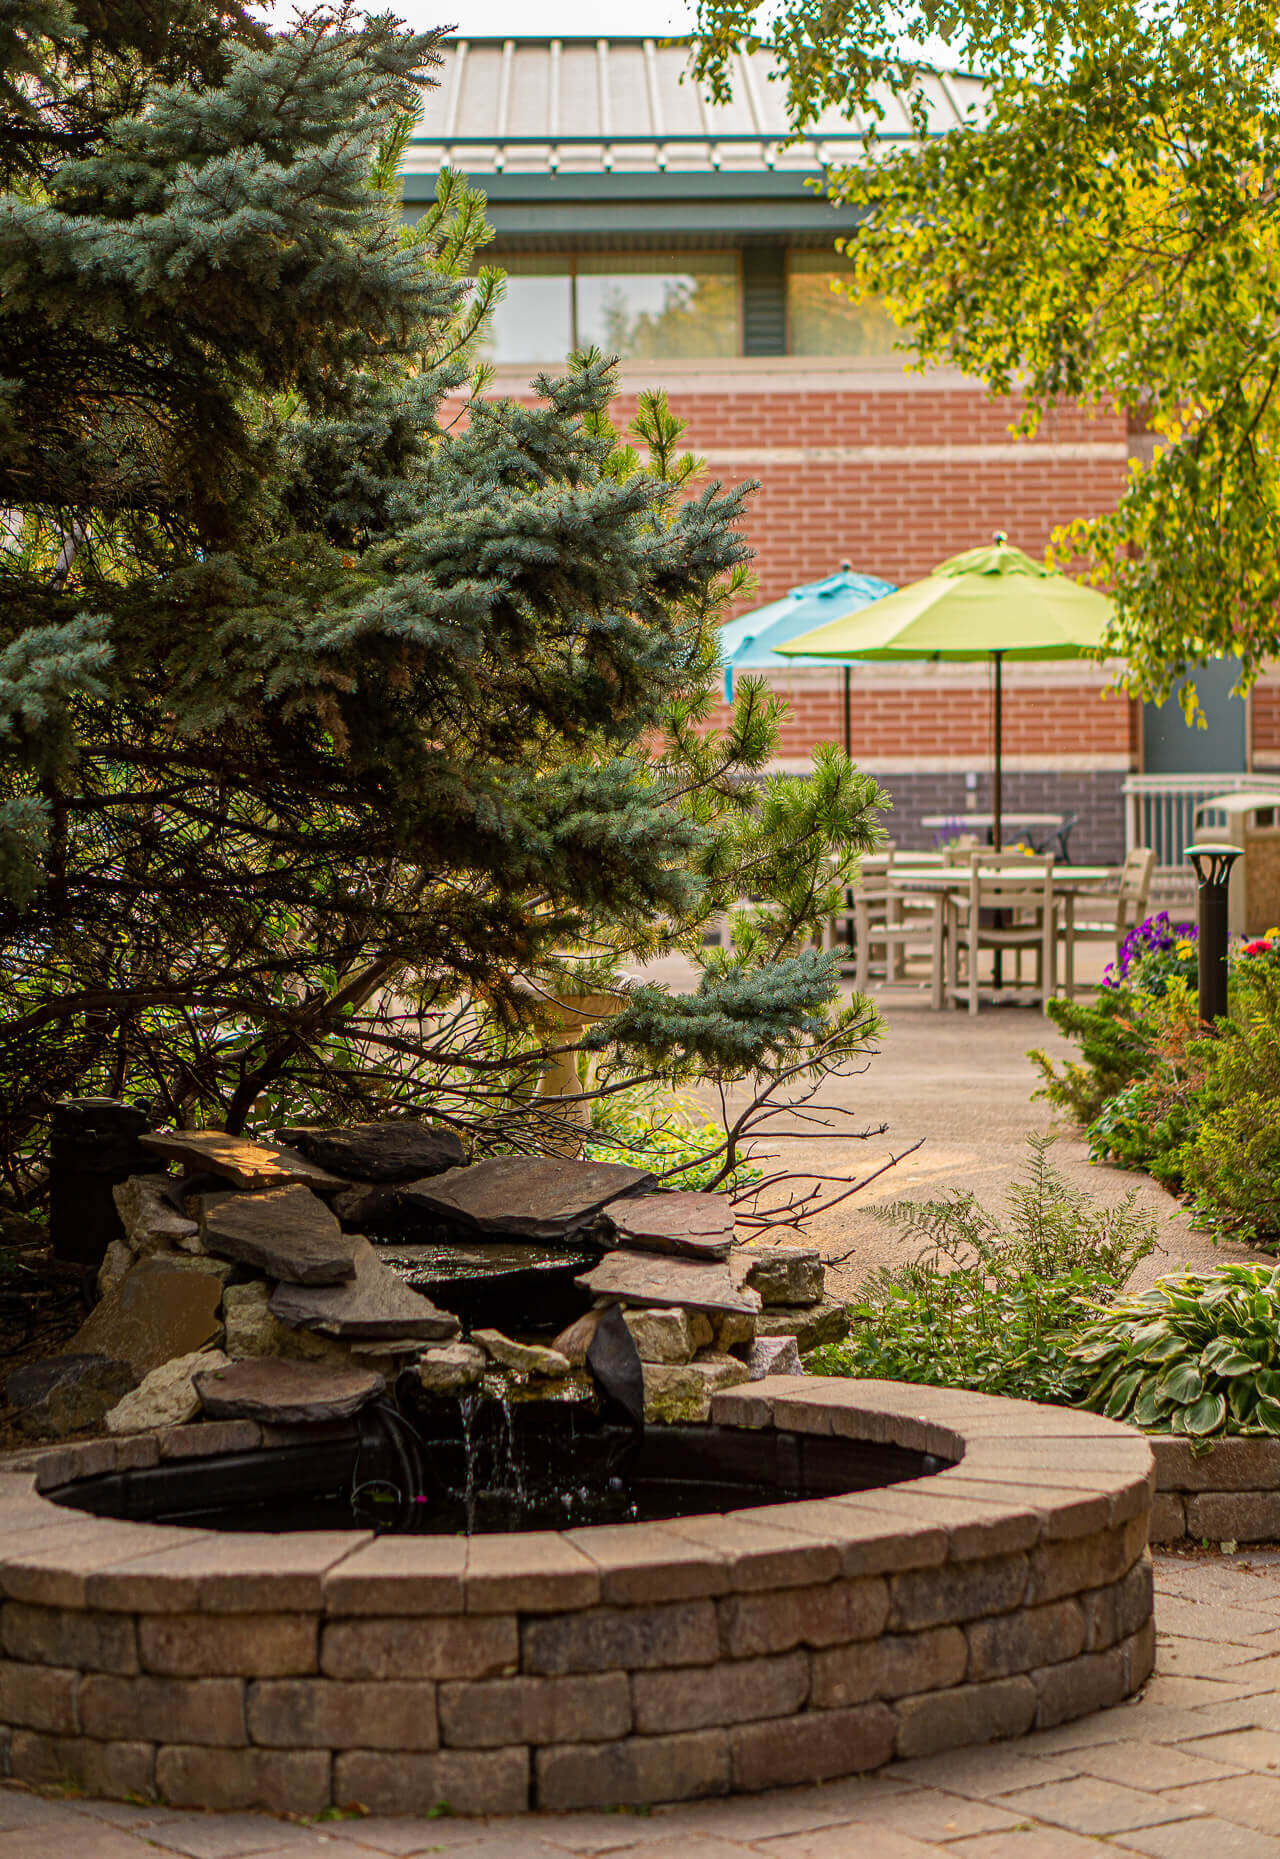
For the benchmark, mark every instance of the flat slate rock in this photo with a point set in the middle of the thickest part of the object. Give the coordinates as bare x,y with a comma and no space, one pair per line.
278,1392
614,1361
471,1259
370,1207
157,1311
401,1149
526,1196
688,1224
248,1164
648,1278
287,1233
376,1303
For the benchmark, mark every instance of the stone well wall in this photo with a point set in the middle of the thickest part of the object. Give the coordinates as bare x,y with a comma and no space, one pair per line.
1228,1490
603,1666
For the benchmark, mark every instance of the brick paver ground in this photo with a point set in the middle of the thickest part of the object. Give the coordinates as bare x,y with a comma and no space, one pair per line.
1190,1770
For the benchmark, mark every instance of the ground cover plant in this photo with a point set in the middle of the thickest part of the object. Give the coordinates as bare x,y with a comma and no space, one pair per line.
1030,1302
995,1300
672,1137
1196,1354
350,717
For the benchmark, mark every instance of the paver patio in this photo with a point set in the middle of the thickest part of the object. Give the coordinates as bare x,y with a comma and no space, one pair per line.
1190,1770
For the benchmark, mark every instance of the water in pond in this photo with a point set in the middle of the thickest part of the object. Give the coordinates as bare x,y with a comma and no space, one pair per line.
502,1285
484,1464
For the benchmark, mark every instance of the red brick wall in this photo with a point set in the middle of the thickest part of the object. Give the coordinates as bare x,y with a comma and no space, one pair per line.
890,722
893,517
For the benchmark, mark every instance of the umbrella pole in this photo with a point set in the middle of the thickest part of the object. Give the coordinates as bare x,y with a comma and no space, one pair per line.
997,725
848,749
997,828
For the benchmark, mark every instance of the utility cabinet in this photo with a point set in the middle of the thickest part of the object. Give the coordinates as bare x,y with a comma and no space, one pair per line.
1252,822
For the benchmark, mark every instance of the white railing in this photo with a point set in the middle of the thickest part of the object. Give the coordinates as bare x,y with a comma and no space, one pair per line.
1160,810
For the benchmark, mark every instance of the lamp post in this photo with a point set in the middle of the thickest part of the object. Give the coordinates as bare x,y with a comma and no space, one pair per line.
1213,873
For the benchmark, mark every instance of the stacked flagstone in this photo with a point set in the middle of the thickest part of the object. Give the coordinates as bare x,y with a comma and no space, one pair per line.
243,1284
702,1316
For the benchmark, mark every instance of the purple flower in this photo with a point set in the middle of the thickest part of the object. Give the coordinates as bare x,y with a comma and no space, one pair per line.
1156,936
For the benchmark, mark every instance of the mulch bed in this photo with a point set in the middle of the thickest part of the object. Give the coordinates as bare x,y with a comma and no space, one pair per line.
43,1302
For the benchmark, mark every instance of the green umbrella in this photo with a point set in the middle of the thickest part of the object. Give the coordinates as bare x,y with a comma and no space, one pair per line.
993,602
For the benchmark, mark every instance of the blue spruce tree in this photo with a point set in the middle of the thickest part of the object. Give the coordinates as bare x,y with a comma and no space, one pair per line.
335,737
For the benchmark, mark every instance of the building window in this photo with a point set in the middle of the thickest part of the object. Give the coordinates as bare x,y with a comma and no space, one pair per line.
637,305
667,306
659,308
822,320
534,321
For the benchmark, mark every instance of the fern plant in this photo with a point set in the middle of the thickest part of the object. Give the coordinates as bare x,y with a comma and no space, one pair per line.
994,1301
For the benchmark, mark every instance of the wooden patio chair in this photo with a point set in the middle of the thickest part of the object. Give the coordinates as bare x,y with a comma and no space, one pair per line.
1107,916
1008,909
891,925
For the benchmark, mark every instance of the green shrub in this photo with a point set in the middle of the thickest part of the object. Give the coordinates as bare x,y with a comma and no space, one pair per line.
1139,1128
1114,1037
1197,1354
1231,1164
646,1131
994,1303
1148,1123
1118,1031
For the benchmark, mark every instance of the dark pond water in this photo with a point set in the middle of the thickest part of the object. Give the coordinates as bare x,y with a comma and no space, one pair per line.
484,1465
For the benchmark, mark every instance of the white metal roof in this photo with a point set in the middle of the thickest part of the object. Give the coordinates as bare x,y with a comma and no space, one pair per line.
548,106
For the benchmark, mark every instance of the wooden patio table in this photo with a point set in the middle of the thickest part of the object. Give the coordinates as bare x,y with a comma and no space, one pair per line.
1071,882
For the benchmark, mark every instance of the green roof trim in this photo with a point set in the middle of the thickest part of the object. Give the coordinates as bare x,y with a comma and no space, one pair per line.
531,205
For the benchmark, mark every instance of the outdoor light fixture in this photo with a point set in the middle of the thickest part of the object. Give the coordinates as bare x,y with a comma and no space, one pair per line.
1213,873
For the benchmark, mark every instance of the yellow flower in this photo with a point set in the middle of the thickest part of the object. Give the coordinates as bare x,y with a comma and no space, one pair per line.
1272,935
1184,947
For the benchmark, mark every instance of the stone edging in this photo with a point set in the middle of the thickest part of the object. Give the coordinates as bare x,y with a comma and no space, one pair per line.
603,1666
1228,1492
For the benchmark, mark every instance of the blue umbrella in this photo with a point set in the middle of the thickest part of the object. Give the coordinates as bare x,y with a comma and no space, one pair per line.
749,643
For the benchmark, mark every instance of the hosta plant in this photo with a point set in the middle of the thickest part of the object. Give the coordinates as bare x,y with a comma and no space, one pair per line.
1199,1353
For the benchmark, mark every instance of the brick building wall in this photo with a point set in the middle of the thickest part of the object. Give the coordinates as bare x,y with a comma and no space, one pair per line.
890,471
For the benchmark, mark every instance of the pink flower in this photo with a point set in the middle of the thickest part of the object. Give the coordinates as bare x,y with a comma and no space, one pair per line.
1257,948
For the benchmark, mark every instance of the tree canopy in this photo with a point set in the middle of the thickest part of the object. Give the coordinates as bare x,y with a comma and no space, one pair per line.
340,734
1104,233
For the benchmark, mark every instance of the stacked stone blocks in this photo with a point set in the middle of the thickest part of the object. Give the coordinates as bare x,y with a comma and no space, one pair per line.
1224,1490
597,1667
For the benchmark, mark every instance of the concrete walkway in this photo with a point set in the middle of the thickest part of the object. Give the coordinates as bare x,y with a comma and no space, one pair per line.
1191,1770
955,1094
962,1088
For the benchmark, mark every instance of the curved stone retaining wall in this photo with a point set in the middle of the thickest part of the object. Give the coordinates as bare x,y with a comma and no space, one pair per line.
599,1667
